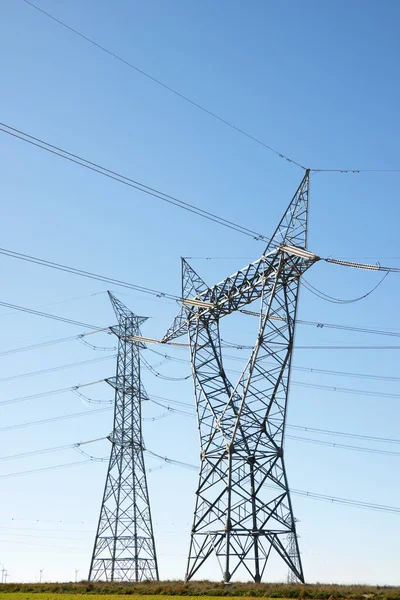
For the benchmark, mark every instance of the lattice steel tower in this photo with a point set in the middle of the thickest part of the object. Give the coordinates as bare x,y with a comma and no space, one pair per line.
243,508
124,548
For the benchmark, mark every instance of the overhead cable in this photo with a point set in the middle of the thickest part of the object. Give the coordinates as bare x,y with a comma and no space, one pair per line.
296,368
50,342
322,325
54,265
49,393
85,413
38,313
196,104
305,493
171,461
160,294
43,469
346,374
318,386
316,496
343,390
371,438
49,450
132,183
355,170
347,501
87,400
165,86
343,446
161,376
55,369
334,300
318,324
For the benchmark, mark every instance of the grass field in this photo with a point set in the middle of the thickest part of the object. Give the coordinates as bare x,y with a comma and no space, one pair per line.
195,589
53,596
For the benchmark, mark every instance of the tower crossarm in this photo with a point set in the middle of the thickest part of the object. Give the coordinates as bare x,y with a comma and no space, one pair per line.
238,290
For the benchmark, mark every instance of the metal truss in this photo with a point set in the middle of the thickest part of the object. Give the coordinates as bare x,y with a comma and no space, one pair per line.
124,548
243,509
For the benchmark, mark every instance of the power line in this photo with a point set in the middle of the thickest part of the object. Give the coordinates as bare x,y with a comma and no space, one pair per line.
170,461
174,410
343,446
324,371
165,86
141,187
4,528
318,386
297,368
196,104
347,347
49,393
41,536
54,419
302,439
317,324
53,265
50,450
55,369
39,345
333,300
316,496
329,432
347,501
38,313
161,376
347,390
354,170
87,400
160,294
60,302
43,469
45,545
372,438
313,495
369,330
321,325
346,374
69,338
44,520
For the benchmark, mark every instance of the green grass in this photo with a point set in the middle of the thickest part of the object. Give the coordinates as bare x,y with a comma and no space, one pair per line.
194,589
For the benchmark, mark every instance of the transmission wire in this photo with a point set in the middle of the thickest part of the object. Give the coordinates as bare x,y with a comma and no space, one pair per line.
55,369
54,419
87,164
165,86
38,313
49,393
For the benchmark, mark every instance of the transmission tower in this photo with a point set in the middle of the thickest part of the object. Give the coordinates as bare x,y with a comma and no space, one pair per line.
293,552
124,548
243,509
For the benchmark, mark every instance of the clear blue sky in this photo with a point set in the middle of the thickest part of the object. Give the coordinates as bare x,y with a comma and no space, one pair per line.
318,81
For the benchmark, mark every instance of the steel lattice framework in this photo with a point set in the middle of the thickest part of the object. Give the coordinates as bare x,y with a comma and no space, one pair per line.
243,508
124,548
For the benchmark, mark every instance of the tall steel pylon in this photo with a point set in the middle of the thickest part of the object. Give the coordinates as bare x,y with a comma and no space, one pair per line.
124,548
243,509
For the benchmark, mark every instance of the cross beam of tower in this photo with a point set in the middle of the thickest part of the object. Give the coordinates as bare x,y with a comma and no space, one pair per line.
243,509
124,548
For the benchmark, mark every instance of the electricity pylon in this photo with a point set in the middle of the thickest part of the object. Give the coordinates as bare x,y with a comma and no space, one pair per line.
124,548
243,508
